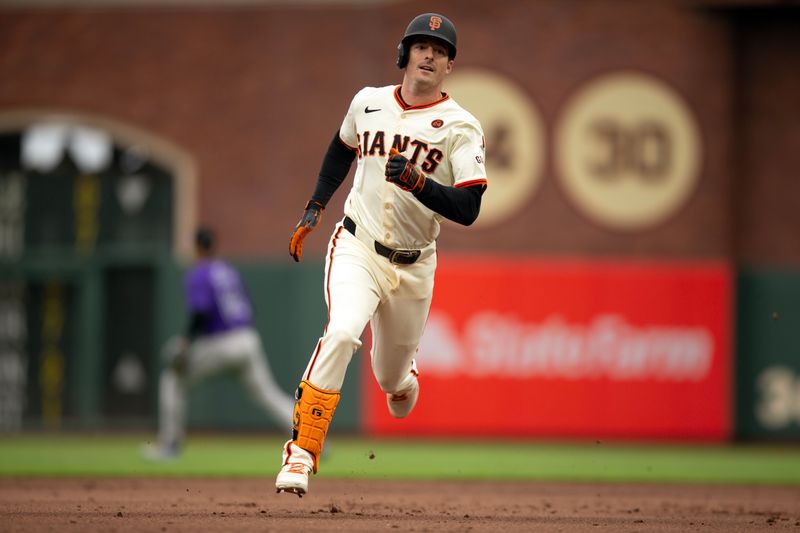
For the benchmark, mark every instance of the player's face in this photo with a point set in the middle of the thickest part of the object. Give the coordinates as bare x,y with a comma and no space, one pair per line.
428,62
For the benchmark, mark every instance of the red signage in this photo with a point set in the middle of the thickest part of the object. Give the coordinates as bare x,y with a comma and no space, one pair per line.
522,347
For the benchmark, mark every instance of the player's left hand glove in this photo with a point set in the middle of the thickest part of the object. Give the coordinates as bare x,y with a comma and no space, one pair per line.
311,217
402,173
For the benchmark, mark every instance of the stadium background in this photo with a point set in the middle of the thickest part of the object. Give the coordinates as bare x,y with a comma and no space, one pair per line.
220,114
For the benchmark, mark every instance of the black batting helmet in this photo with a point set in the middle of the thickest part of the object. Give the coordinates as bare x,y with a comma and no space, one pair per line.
429,25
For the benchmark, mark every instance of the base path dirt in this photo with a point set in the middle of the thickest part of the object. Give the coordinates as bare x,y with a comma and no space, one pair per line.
193,504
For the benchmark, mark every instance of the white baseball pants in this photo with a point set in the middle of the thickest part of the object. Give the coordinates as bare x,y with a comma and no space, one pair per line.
238,350
362,286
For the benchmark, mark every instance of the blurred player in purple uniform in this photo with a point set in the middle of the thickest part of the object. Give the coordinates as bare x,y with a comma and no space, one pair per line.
220,337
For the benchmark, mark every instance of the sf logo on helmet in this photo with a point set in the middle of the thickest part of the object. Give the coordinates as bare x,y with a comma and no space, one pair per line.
435,23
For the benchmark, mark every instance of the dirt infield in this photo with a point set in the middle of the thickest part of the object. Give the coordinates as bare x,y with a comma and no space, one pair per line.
192,504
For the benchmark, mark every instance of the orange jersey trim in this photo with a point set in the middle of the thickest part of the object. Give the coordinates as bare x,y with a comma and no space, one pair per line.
471,183
405,107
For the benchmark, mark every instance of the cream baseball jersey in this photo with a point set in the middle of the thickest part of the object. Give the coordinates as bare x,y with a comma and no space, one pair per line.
445,141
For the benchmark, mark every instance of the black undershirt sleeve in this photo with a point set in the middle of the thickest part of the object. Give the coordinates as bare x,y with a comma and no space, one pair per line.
197,321
459,205
335,166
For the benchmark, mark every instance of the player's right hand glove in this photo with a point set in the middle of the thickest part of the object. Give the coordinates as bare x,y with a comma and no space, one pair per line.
311,217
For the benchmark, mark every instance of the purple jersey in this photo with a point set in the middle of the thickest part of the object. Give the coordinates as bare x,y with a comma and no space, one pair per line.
215,289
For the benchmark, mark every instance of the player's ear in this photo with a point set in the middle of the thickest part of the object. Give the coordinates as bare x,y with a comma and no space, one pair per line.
450,65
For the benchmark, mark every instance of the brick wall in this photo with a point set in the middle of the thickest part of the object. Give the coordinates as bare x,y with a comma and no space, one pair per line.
255,94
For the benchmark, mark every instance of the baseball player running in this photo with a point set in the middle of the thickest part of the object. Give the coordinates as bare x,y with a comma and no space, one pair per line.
420,159
220,337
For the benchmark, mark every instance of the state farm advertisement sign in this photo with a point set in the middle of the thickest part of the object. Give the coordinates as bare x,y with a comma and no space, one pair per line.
517,347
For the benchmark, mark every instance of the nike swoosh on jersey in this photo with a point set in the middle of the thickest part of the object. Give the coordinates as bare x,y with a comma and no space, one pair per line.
368,110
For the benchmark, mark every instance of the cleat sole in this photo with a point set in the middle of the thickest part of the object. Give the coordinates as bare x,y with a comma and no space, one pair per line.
299,492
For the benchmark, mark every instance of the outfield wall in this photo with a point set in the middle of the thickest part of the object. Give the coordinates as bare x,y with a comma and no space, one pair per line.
768,358
573,348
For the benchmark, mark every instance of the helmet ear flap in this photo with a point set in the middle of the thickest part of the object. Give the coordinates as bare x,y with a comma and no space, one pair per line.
402,55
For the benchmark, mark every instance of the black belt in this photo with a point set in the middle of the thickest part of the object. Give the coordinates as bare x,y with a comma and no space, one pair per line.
401,257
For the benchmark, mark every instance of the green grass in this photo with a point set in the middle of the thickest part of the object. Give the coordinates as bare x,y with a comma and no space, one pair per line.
103,455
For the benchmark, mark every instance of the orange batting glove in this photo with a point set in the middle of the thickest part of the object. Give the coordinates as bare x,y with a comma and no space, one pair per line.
311,217
402,173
